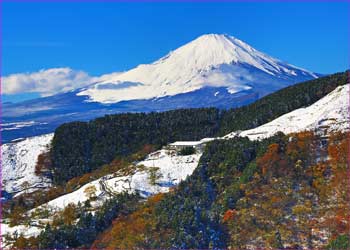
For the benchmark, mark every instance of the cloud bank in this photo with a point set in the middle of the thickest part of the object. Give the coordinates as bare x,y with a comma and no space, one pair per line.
49,81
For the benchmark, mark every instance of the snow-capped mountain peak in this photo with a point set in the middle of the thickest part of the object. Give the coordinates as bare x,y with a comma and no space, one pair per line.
210,60
212,49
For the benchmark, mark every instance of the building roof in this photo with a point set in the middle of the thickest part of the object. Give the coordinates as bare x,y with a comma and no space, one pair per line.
186,143
207,140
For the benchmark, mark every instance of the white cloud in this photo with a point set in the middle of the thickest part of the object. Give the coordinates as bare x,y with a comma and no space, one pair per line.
107,77
48,81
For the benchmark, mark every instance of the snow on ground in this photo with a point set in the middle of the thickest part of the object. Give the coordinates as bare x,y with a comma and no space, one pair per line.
18,164
79,195
27,231
330,113
172,169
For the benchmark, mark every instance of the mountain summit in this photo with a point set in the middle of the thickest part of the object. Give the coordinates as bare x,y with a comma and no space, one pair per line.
210,60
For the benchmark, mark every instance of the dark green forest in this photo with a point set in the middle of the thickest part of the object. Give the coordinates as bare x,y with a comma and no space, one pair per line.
81,147
63,233
193,213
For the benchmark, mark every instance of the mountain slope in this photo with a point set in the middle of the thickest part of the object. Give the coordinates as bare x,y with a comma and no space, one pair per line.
285,192
329,114
210,60
44,115
280,102
18,165
171,170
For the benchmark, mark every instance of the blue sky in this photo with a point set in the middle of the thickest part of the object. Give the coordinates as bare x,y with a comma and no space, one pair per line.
100,38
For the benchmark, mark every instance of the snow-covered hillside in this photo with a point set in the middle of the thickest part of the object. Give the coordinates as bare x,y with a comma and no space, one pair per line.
18,164
210,60
170,169
330,113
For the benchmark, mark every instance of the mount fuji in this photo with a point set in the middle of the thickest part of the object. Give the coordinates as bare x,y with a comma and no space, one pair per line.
210,60
210,71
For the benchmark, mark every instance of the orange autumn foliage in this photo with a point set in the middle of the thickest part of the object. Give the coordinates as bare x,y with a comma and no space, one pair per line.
128,232
269,159
43,163
308,175
229,215
339,149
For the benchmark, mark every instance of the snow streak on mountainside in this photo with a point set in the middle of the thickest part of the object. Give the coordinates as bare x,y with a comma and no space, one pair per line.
18,164
329,114
210,60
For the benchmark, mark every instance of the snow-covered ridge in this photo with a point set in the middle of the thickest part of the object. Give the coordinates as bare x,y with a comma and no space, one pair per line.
329,114
210,60
18,164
